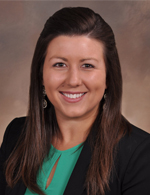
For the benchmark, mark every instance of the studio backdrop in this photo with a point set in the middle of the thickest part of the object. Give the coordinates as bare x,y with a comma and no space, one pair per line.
20,25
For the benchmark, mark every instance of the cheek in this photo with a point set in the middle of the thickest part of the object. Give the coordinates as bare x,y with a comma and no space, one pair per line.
51,80
98,83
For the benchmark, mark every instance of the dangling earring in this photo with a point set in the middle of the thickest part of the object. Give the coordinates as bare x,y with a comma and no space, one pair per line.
105,96
104,105
44,100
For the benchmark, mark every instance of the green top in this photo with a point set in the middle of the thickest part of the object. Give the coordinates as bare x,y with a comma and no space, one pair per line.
65,166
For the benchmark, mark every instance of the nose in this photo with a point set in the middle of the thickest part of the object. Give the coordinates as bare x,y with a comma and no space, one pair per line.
73,77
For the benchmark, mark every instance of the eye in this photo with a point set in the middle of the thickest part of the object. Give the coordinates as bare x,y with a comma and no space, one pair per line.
88,66
59,65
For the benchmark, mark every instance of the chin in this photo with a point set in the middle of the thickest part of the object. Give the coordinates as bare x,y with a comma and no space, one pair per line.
74,115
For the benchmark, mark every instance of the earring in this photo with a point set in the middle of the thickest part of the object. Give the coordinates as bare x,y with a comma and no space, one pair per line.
104,105
44,100
105,96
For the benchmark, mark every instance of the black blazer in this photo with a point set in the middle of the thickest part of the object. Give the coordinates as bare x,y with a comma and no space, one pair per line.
132,164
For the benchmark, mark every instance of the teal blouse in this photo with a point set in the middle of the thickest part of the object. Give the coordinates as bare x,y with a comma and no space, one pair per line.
65,166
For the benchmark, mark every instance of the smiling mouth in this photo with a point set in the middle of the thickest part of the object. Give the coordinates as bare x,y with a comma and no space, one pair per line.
73,96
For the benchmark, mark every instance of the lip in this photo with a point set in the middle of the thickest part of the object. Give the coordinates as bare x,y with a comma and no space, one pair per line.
72,92
72,100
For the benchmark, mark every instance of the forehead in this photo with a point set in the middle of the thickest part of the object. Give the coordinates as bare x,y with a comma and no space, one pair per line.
75,46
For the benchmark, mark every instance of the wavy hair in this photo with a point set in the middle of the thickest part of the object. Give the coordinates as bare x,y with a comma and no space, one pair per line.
41,124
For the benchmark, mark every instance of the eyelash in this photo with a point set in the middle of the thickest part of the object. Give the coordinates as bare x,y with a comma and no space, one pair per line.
89,65
58,64
85,65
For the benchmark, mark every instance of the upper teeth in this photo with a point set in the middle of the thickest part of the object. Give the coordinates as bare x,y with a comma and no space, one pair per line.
73,95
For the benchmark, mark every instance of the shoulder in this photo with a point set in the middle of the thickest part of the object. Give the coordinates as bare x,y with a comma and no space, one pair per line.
133,160
16,122
12,134
14,128
132,164
10,139
131,141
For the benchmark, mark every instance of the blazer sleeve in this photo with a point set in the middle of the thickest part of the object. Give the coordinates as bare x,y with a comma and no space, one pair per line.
137,175
3,158
10,138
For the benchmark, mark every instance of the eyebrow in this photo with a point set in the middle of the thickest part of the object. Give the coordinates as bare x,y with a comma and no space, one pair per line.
62,58
88,59
58,58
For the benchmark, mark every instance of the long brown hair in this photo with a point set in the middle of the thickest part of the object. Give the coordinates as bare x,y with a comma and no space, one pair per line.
41,124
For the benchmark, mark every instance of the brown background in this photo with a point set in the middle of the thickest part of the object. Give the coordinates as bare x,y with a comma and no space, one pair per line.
20,25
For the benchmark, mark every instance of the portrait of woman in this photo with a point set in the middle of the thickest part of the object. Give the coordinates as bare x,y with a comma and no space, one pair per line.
75,140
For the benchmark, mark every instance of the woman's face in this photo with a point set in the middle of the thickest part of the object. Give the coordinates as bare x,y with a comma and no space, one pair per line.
74,75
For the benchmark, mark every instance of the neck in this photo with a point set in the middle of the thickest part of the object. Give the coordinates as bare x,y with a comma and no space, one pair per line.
73,131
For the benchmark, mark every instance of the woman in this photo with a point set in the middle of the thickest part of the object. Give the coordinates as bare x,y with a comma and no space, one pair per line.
74,139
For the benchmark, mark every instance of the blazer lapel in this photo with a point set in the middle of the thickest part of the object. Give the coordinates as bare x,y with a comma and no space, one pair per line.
76,182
